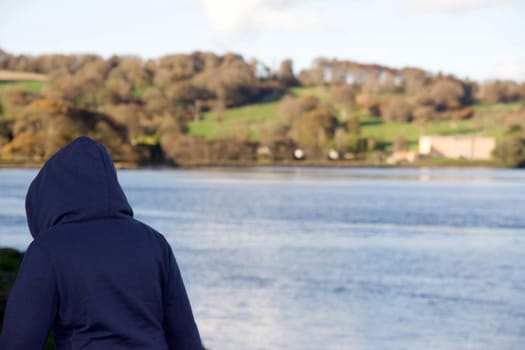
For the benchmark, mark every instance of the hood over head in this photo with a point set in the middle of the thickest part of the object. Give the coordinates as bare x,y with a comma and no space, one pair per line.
77,183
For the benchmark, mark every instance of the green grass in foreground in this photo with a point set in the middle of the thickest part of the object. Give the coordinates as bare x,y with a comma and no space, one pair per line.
28,85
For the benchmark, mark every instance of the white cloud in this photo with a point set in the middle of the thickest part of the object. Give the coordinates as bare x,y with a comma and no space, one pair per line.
451,5
241,17
512,71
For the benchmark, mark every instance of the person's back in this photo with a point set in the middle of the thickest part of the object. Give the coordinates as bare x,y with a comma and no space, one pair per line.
94,275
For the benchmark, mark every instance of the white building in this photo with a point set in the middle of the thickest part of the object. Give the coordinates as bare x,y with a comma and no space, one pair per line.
468,147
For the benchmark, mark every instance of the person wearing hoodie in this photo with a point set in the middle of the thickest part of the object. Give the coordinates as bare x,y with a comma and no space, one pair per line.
94,275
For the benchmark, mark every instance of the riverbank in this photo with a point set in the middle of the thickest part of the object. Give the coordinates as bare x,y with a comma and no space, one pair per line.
427,163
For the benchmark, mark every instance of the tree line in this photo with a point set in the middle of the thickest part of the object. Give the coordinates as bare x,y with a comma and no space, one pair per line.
142,108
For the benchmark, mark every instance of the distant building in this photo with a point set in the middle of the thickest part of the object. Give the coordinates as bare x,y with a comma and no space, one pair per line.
402,157
468,147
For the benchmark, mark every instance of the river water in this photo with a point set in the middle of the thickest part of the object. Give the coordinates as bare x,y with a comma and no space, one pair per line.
315,258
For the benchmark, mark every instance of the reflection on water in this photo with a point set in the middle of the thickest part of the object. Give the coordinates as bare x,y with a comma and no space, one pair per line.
313,258
275,173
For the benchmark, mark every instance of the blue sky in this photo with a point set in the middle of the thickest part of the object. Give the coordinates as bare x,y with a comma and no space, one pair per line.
479,39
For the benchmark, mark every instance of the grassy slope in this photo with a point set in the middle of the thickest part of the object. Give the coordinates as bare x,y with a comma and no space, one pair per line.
33,86
245,120
28,85
237,121
388,131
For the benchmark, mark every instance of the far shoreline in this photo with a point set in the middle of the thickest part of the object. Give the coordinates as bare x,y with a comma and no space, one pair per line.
430,163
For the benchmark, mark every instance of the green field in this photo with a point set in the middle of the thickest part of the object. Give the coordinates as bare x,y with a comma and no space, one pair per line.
32,86
244,121
28,85
388,131
241,121
497,107
321,92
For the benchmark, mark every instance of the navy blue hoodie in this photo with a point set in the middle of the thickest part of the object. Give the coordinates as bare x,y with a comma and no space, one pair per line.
93,274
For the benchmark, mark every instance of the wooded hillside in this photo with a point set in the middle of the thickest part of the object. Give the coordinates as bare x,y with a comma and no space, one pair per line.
206,108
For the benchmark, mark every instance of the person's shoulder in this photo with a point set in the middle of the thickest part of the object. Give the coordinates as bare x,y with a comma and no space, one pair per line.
160,241
150,230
